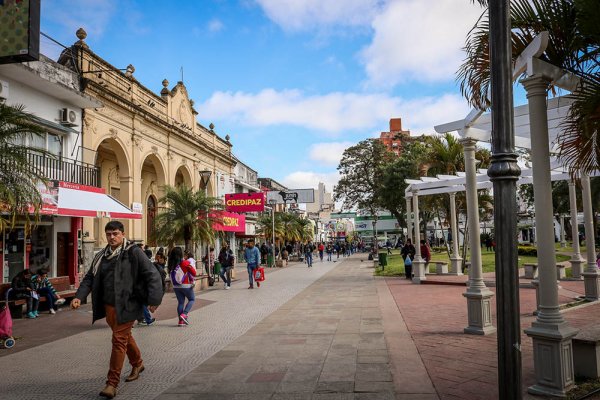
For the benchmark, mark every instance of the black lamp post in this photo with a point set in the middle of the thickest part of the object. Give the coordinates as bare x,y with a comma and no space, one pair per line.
504,173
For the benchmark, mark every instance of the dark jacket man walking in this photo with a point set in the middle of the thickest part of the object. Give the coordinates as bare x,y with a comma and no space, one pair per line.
121,279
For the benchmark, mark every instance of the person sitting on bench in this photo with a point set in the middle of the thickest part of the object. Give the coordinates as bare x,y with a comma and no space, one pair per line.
22,288
44,287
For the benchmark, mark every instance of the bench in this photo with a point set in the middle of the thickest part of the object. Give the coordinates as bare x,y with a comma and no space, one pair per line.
441,267
61,284
531,271
586,352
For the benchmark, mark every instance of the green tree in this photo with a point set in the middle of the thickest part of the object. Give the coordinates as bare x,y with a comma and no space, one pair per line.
19,179
186,216
361,176
574,45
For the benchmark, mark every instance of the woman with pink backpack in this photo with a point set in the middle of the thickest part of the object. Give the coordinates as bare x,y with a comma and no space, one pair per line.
183,276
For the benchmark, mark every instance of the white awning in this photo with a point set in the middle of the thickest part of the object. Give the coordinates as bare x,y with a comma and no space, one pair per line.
85,201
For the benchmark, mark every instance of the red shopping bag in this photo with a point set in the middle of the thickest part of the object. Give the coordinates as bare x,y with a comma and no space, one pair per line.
259,274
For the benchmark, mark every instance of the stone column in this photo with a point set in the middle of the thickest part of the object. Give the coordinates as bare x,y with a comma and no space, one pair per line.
455,258
576,259
563,242
591,277
418,262
479,297
409,232
551,334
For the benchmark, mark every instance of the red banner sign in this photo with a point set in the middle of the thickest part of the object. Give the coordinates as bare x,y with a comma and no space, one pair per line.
230,222
245,202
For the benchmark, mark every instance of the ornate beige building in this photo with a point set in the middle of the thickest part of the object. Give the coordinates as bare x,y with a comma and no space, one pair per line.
141,141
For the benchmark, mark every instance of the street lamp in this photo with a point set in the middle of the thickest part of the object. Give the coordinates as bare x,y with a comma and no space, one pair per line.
204,179
272,202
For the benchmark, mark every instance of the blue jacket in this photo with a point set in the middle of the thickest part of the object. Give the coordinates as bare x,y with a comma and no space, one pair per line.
252,255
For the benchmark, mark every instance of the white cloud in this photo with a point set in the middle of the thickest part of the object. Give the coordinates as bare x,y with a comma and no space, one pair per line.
328,153
215,25
309,179
304,15
331,114
418,40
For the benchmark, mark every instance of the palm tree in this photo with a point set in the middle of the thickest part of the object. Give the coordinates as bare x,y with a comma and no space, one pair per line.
264,226
574,45
19,180
186,216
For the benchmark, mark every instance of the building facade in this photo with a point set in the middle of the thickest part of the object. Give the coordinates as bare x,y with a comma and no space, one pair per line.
141,141
395,136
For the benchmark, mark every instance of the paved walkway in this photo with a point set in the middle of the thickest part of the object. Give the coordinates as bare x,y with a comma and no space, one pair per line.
330,332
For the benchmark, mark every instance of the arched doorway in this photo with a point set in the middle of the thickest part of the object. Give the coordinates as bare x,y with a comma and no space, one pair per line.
151,210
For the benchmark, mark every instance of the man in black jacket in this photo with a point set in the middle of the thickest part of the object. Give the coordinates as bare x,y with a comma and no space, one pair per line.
121,279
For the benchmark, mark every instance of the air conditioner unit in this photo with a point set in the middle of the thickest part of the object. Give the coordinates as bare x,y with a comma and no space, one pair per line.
68,116
3,90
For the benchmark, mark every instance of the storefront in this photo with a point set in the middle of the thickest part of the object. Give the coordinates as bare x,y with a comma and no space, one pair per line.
55,242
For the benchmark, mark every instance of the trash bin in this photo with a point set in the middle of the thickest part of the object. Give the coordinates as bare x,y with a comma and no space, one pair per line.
383,259
270,261
217,268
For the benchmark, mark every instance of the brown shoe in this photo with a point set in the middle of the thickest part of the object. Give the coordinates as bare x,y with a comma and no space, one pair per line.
135,373
109,392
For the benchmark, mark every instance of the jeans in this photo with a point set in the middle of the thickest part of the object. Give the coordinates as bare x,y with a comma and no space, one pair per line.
147,315
309,259
122,344
225,276
251,268
182,294
47,293
329,256
321,255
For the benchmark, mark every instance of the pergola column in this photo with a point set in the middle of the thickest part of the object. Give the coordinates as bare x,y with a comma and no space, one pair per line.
418,262
455,258
479,297
576,259
551,334
591,277
563,242
409,232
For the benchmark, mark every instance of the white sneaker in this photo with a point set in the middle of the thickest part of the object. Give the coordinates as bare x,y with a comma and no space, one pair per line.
52,311
227,287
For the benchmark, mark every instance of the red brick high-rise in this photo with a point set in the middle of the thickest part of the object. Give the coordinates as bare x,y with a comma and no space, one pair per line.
394,138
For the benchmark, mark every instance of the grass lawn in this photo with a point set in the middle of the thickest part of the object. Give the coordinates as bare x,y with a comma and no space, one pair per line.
395,265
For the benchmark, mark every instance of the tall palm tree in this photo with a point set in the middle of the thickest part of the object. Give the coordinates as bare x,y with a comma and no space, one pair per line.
264,226
186,216
19,179
574,45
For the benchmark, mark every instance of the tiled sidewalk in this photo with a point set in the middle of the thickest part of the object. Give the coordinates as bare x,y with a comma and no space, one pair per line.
328,342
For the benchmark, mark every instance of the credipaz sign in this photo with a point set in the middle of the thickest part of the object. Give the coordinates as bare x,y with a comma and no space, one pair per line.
245,202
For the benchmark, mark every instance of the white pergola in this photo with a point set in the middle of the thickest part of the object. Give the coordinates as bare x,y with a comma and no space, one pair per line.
536,127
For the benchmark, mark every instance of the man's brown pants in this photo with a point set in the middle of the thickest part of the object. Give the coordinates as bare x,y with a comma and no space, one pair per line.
122,343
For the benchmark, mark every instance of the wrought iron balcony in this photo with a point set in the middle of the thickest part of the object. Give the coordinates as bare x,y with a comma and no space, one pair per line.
64,169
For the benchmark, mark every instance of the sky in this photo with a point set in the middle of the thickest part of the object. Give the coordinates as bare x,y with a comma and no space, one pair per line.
293,82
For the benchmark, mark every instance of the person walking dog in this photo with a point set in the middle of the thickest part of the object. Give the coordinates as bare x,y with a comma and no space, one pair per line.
121,279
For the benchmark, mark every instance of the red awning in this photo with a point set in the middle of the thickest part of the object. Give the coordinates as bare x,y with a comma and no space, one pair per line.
86,201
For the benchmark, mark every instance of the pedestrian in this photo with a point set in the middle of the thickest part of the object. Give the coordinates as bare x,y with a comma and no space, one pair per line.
121,280
252,256
308,250
425,254
160,265
43,287
147,251
183,276
408,252
227,261
264,251
23,288
388,246
321,250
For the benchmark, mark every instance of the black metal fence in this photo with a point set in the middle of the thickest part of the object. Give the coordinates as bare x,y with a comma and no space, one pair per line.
61,169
